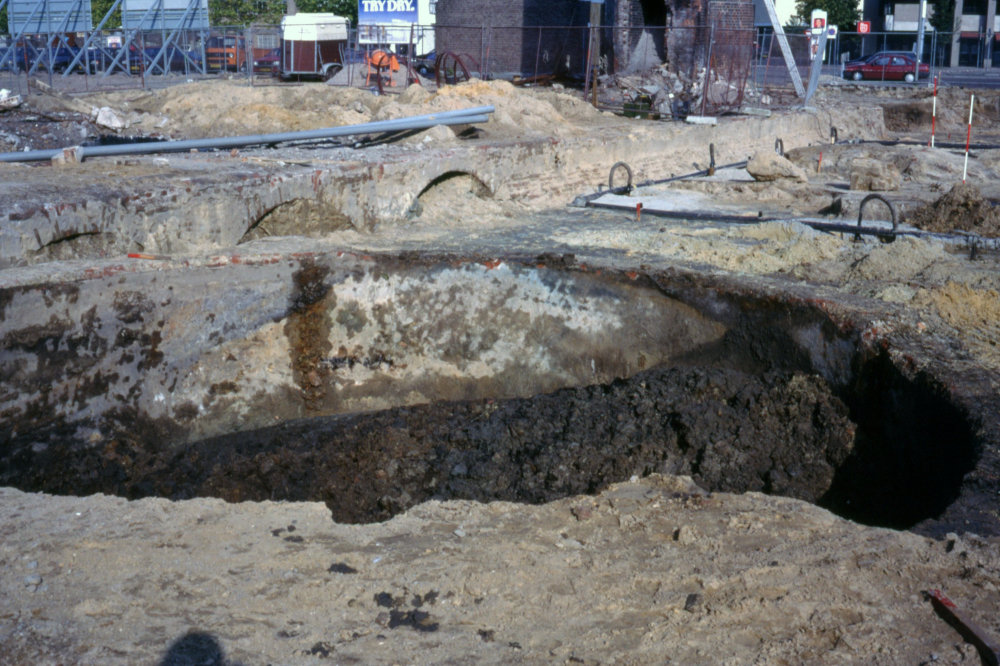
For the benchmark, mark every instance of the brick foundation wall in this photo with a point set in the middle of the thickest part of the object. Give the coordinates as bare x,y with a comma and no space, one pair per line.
517,46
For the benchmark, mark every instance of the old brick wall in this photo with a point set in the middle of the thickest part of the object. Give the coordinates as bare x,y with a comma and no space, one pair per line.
525,37
513,42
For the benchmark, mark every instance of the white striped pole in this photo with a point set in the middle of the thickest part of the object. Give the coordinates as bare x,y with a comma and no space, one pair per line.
934,111
968,135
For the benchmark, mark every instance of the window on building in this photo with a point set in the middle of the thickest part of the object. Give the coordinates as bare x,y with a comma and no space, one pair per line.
432,7
974,7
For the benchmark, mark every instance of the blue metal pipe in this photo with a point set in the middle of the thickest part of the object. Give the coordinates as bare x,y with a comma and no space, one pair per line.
478,114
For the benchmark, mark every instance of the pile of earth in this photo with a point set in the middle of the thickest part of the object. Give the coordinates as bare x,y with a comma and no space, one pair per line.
220,108
961,209
780,433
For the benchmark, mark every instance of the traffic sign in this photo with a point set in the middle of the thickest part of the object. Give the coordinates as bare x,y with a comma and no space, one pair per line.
864,27
831,31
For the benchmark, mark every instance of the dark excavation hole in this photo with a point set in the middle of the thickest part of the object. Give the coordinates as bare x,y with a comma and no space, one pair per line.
784,402
889,451
913,449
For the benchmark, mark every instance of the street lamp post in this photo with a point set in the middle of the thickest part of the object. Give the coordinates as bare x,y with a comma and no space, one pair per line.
920,39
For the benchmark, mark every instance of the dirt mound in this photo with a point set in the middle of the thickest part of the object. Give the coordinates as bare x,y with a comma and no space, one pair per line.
780,433
518,112
219,108
961,209
908,116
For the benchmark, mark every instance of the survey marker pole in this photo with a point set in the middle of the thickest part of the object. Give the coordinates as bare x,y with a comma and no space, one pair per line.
786,50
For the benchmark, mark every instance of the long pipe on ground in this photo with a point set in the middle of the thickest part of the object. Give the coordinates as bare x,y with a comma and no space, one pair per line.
819,225
478,114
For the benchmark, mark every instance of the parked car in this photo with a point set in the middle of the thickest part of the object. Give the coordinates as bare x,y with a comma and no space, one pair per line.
226,53
269,62
887,66
868,58
26,56
425,64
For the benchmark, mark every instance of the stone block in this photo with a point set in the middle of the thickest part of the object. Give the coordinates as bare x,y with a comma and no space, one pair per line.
767,165
870,175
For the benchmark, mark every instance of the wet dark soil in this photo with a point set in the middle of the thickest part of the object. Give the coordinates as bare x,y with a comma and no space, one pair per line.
777,432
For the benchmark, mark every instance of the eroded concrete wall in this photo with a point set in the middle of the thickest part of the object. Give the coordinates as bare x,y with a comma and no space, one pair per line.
201,203
244,342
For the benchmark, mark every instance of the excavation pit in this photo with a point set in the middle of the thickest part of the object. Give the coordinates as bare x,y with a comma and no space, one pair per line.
375,384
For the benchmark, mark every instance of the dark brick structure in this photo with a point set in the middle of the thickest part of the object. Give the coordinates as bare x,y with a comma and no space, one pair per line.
523,39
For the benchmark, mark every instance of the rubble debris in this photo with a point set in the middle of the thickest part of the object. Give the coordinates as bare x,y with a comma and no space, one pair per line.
8,101
872,175
68,102
67,157
767,165
109,118
752,111
963,208
701,120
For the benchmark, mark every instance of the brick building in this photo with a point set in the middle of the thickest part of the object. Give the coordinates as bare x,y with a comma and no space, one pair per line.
639,33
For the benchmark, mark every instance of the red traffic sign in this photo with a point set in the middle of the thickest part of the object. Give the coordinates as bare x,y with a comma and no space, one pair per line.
864,27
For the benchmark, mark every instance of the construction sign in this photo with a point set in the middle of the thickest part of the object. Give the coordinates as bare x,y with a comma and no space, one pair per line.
818,21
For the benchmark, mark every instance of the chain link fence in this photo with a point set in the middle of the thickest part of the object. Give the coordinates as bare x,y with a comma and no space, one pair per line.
665,72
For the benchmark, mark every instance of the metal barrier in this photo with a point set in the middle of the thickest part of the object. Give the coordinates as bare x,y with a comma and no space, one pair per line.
664,72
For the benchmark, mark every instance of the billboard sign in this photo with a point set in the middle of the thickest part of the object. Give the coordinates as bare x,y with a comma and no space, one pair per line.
165,14
41,16
386,21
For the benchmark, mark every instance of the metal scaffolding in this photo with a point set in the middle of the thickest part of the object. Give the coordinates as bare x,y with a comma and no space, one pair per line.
41,31
53,19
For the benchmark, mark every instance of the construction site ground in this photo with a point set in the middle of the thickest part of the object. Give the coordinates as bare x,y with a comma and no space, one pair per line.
552,433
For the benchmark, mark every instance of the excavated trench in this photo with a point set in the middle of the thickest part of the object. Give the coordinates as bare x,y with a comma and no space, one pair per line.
742,392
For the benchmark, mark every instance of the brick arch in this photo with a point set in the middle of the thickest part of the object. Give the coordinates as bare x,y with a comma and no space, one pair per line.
448,174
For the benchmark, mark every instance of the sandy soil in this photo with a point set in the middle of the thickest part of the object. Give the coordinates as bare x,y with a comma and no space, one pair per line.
655,571
217,108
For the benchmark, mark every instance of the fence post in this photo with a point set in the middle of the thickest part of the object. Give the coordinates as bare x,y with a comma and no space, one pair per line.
708,69
770,50
409,60
86,61
249,53
482,50
538,53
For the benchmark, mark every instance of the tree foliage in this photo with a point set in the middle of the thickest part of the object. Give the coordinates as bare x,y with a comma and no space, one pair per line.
98,8
943,16
245,12
842,13
346,8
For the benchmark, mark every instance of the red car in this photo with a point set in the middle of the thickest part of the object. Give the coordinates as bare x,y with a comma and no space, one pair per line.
886,67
